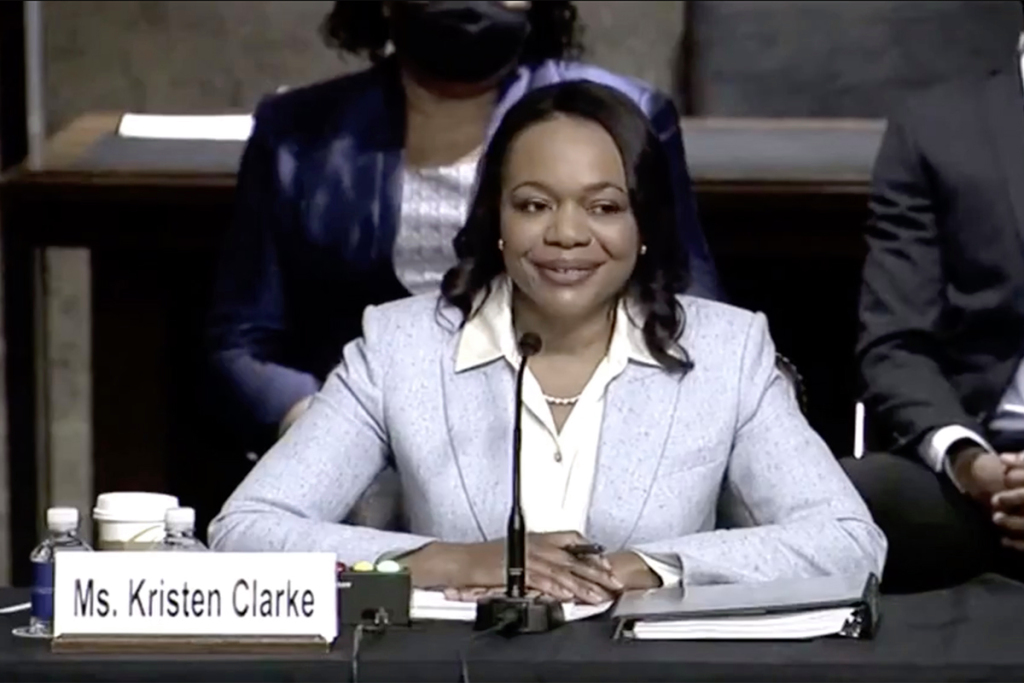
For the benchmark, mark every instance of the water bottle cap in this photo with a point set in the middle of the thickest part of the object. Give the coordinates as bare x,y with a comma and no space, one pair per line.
62,519
180,518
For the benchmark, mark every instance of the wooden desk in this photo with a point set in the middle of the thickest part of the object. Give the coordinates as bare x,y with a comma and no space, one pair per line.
786,237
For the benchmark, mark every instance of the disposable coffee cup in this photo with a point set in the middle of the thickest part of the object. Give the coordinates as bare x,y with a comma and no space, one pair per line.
130,520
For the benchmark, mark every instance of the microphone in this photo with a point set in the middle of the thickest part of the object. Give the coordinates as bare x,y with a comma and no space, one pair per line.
515,539
514,612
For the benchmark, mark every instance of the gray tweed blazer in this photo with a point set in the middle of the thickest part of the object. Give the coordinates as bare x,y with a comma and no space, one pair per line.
674,451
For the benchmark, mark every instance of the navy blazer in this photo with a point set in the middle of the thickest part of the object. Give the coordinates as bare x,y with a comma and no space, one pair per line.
317,214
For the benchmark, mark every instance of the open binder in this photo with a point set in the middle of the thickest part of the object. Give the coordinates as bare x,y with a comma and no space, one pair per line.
791,609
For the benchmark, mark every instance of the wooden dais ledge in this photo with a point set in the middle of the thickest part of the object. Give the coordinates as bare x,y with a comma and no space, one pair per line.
724,155
135,644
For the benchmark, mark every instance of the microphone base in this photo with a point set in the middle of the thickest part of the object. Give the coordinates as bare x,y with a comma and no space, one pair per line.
526,615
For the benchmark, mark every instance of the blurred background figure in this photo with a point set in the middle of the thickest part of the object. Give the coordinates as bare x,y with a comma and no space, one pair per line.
942,333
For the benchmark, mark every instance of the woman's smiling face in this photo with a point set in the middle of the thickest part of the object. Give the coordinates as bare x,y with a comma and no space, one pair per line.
570,240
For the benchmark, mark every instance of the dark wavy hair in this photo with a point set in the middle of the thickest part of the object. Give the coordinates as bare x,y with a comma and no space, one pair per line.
660,272
360,28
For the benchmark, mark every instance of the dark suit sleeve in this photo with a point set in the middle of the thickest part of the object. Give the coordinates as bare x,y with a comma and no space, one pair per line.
902,299
248,323
704,277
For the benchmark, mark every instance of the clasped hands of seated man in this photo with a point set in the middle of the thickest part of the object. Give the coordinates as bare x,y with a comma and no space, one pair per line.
997,482
470,571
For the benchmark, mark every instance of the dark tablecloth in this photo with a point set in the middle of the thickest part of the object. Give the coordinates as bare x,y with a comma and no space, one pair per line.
971,633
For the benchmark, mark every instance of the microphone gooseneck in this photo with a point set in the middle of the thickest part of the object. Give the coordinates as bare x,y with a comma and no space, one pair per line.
515,538
515,612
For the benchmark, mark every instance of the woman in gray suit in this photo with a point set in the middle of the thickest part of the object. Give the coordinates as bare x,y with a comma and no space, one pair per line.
646,415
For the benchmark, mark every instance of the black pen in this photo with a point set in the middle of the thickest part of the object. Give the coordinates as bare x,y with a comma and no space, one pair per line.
581,550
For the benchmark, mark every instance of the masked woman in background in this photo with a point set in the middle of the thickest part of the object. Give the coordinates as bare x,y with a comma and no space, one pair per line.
351,191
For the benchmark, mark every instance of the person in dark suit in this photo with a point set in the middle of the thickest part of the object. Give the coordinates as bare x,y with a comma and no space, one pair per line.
942,335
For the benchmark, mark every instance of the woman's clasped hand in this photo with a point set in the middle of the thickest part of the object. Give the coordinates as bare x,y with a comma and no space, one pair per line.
471,571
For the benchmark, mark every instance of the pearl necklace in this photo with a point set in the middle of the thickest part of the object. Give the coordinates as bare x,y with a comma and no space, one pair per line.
554,400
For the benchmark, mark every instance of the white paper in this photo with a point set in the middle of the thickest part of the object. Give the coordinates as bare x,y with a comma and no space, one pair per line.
20,607
433,605
236,127
795,626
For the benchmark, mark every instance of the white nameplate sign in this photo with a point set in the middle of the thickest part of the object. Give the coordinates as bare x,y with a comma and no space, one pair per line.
195,594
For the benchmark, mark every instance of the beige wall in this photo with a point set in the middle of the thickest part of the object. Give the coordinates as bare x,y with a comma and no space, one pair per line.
206,56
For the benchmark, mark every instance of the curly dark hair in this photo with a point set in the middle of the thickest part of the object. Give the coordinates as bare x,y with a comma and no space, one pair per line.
360,28
659,273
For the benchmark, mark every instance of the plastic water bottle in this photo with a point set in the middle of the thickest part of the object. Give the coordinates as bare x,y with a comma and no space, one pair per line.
180,531
63,536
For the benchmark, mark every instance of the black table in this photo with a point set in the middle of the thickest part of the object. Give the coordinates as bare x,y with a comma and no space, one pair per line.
971,633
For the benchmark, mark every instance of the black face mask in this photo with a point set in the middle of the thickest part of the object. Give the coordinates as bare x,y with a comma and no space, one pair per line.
459,42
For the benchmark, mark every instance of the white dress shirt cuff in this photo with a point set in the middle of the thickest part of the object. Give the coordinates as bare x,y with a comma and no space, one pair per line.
935,448
670,574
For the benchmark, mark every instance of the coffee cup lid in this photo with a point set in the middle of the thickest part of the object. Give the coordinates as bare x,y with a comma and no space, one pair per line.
132,506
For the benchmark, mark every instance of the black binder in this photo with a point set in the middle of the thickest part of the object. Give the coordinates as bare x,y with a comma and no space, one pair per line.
788,596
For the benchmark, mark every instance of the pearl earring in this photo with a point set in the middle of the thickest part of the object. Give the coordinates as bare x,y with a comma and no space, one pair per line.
501,245
643,249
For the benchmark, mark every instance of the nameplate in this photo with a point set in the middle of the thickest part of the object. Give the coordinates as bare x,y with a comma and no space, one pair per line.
195,594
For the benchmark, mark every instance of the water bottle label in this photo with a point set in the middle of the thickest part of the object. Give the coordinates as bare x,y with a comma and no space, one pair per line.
42,590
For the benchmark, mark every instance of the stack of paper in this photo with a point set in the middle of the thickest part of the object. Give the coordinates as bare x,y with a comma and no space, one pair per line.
231,127
435,606
794,626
